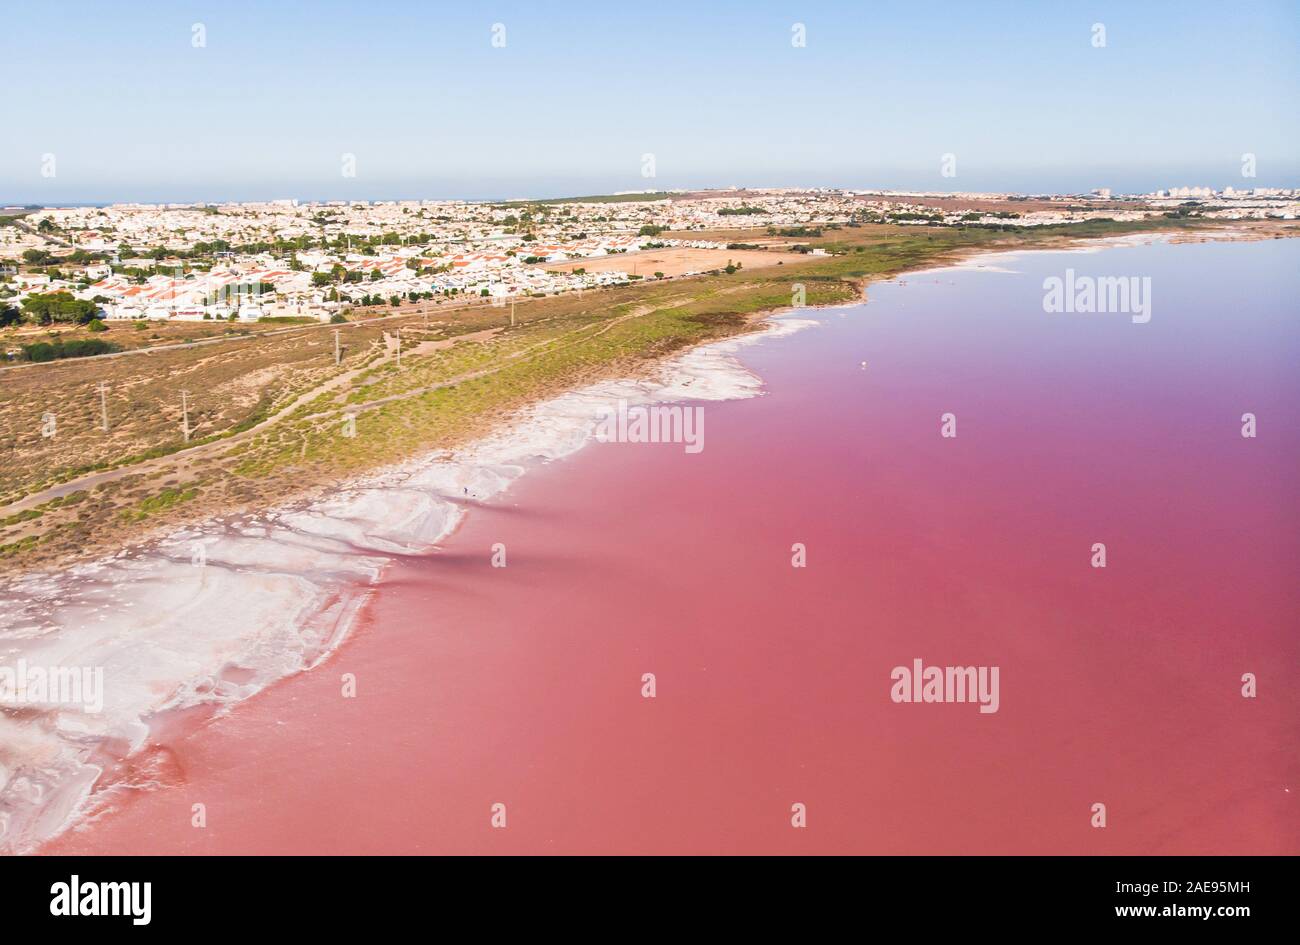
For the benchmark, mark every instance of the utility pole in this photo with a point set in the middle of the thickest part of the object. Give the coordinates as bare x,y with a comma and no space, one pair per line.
103,406
185,414
512,313
336,346
399,349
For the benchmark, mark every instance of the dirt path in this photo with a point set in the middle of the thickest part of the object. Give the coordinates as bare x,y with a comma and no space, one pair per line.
418,309
201,450
513,356
183,457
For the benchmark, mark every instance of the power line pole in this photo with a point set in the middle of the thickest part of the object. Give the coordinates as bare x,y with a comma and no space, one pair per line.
512,313
336,346
103,406
399,349
185,414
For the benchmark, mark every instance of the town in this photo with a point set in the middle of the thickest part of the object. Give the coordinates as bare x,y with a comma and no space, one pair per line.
291,261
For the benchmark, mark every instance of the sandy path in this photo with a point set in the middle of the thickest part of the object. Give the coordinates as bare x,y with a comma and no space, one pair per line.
201,450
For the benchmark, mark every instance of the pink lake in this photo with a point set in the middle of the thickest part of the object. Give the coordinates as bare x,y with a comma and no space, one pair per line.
522,685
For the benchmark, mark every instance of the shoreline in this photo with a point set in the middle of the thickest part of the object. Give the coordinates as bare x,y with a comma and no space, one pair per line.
350,541
85,502
333,554
460,665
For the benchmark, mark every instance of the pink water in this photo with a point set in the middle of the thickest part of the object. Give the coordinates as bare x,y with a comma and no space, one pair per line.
522,685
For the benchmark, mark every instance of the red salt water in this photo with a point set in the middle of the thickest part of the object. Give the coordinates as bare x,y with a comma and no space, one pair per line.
522,685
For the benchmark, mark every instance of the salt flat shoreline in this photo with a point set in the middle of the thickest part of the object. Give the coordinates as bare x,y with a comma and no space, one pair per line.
478,685
274,593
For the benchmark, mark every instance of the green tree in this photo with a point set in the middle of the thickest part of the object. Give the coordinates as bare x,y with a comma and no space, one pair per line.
50,307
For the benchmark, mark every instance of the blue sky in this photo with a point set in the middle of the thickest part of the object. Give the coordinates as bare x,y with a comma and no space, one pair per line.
131,110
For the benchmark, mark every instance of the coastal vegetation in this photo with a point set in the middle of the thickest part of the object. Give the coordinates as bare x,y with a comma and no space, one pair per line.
72,348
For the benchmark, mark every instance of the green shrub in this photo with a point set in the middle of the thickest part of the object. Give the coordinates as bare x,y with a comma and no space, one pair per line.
76,348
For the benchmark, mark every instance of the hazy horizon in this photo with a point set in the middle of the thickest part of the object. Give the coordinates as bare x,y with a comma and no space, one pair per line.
1141,182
